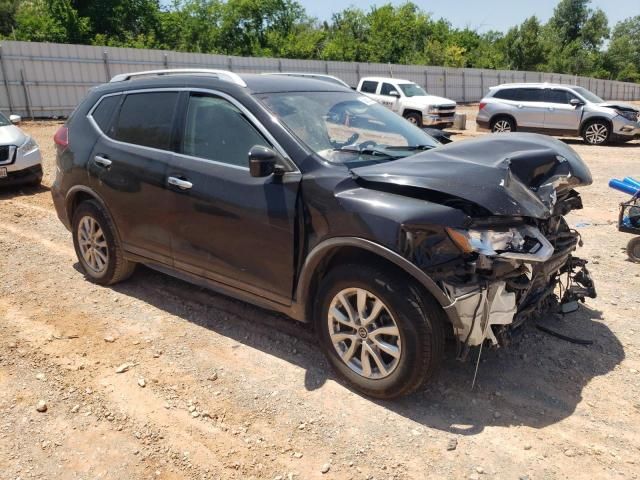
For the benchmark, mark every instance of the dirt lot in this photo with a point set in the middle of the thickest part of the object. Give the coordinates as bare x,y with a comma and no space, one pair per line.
219,389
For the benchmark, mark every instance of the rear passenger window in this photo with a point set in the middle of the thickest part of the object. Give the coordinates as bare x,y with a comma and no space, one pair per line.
531,95
216,130
369,87
146,119
104,112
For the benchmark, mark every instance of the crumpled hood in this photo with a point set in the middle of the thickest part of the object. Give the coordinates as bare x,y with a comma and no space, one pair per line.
11,135
511,174
619,106
424,101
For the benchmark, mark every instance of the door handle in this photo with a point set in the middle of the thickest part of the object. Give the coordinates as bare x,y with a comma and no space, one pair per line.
180,183
102,161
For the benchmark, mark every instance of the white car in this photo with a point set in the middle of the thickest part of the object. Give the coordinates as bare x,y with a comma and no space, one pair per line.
410,100
20,159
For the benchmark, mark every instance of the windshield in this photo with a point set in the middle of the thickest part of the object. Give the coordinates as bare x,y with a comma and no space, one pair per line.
413,90
346,127
587,95
4,121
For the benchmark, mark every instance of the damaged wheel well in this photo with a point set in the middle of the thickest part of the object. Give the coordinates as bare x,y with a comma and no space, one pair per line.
343,254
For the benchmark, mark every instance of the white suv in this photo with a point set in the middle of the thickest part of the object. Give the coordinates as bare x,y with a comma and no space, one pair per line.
563,110
20,160
410,100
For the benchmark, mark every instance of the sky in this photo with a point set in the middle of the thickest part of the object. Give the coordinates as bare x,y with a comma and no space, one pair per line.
476,14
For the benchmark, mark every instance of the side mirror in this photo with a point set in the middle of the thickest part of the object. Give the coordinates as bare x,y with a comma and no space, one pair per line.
262,161
15,119
576,102
394,93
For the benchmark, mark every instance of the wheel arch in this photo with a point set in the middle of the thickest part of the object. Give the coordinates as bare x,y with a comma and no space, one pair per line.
341,249
407,111
80,193
494,118
589,120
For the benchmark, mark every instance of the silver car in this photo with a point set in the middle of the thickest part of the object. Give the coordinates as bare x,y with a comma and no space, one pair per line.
562,110
20,159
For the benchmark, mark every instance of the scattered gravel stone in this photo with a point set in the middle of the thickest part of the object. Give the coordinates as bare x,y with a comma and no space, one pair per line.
480,470
109,339
497,414
570,452
41,406
452,444
75,409
195,414
297,455
141,382
124,367
40,376
527,447
325,468
213,377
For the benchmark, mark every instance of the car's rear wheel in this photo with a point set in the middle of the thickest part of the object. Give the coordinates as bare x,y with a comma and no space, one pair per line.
415,118
97,247
503,125
633,249
377,331
596,132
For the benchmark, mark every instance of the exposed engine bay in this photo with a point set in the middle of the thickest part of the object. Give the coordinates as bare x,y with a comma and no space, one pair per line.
517,260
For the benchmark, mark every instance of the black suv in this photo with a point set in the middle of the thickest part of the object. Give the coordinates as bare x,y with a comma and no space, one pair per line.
311,199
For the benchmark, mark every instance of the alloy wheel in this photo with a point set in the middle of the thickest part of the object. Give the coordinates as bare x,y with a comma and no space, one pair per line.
502,126
596,133
93,245
364,333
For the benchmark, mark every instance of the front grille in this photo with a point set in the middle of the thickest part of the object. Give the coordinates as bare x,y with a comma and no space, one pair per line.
4,153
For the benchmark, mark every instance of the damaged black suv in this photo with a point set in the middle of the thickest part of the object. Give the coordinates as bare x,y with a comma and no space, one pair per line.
310,199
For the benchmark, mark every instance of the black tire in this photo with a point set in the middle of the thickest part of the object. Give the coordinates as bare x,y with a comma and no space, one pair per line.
596,132
419,319
414,117
633,249
503,124
117,267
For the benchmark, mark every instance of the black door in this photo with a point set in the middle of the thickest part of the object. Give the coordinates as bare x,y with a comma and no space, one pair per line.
130,163
229,226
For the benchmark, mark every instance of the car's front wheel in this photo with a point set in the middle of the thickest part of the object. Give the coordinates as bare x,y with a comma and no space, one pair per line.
596,132
378,332
97,246
415,118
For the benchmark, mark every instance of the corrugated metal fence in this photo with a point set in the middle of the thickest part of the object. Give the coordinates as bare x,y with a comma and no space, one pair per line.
49,79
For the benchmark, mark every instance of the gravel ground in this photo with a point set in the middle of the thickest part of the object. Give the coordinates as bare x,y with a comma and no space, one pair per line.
210,387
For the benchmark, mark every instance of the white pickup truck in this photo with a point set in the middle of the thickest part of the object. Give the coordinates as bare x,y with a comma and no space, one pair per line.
410,100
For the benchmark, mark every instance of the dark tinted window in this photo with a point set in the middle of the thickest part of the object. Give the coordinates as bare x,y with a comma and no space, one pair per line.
104,112
369,87
531,95
559,96
217,130
507,94
146,119
387,88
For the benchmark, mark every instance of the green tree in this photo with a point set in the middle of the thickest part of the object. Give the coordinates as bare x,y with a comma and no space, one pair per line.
8,9
50,21
523,48
623,55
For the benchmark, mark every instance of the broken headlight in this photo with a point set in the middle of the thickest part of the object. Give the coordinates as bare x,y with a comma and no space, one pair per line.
519,243
628,114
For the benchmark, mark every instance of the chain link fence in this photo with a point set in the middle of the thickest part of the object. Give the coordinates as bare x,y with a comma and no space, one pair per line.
45,80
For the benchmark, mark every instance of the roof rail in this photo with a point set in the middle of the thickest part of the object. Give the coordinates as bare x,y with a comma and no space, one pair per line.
224,75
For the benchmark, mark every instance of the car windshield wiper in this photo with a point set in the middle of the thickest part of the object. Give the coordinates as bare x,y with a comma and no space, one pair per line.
377,152
410,147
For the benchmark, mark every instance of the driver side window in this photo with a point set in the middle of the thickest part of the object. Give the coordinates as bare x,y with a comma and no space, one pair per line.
216,130
387,88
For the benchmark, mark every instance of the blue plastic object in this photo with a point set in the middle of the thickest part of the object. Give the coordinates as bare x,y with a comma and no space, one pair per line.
623,186
631,181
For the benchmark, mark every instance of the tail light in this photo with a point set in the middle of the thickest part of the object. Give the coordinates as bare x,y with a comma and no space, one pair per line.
482,105
61,138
